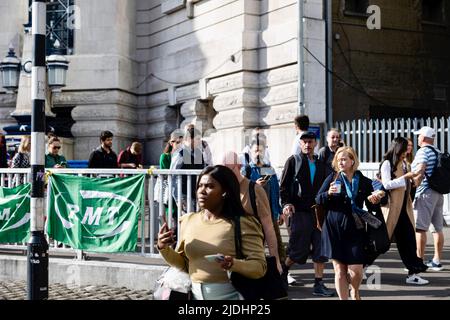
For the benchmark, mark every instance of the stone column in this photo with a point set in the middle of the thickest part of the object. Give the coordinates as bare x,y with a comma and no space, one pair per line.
98,111
237,105
198,112
102,78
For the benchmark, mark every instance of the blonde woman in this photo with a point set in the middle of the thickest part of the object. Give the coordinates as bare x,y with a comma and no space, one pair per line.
22,158
343,235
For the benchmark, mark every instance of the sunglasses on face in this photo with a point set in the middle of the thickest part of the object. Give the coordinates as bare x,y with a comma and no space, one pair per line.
56,147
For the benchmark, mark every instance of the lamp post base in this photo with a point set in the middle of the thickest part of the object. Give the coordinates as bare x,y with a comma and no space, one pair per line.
37,267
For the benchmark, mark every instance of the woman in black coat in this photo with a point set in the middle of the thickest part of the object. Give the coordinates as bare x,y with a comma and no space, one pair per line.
344,237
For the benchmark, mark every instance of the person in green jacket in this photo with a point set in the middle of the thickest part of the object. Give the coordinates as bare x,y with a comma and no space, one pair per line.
176,138
52,158
175,141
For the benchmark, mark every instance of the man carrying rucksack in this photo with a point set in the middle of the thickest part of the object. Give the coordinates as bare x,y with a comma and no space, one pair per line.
428,203
302,177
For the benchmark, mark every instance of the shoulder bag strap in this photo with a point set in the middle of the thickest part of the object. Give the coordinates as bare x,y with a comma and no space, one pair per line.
432,149
238,237
435,163
251,191
298,164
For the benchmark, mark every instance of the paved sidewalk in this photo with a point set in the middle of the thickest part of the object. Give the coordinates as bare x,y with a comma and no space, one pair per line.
392,278
17,290
389,274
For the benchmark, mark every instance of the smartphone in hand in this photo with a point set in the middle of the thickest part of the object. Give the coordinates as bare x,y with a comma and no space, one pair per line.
215,257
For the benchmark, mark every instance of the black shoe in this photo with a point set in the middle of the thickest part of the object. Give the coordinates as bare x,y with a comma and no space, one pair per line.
322,291
422,268
419,268
284,276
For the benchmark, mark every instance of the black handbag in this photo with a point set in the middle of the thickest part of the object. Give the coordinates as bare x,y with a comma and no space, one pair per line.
269,287
377,239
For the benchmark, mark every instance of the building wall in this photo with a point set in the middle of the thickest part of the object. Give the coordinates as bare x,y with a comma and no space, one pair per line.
393,70
13,14
246,53
142,68
102,75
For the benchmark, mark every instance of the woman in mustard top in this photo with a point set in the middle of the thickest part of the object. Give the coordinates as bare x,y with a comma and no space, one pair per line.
211,232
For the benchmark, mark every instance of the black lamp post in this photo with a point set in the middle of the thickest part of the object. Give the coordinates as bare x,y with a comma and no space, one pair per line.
41,79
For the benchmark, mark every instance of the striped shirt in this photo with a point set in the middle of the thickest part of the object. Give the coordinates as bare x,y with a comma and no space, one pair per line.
424,155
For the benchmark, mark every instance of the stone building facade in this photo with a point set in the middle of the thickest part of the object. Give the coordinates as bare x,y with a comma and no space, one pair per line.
142,68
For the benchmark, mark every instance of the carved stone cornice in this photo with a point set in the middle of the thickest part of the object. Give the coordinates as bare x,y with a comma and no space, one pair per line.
70,98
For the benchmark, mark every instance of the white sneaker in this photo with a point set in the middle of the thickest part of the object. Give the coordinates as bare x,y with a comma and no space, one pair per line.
415,279
434,266
290,279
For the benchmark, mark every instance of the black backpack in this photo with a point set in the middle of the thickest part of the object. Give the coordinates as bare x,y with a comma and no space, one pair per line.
247,168
440,178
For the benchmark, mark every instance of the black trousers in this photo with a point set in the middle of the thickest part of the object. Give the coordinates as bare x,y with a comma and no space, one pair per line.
406,242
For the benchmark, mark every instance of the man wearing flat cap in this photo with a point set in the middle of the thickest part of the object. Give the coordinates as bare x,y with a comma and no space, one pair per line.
302,177
428,203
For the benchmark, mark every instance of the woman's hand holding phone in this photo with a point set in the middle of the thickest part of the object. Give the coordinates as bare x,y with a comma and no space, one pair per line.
165,237
226,262
215,257
263,180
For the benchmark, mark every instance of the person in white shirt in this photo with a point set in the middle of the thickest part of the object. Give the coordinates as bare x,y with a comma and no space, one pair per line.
301,125
398,213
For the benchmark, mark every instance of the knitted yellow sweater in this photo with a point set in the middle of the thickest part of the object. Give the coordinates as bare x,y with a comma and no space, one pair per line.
200,237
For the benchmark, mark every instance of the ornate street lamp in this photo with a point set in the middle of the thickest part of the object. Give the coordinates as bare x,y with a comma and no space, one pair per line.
10,69
57,66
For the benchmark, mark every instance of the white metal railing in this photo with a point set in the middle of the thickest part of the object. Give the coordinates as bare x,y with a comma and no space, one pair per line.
152,215
154,211
371,138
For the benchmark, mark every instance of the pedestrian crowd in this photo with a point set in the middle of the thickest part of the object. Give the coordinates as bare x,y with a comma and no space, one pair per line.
331,209
398,206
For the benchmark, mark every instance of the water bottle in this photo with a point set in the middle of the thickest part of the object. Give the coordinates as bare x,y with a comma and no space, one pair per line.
337,184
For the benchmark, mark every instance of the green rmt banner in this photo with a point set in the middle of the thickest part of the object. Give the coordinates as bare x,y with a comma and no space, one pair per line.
15,214
92,214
